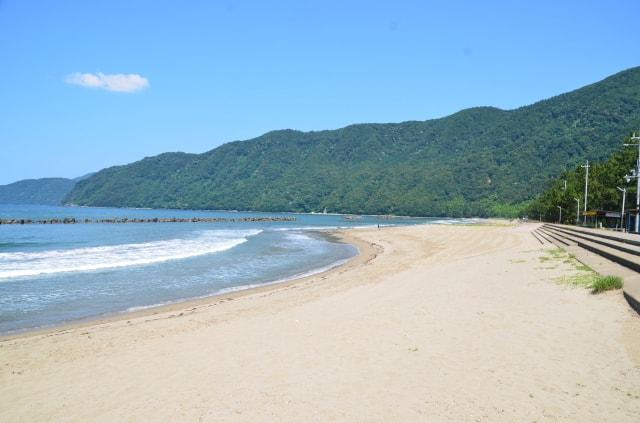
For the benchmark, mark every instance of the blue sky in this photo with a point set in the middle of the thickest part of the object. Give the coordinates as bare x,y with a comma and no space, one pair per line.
203,73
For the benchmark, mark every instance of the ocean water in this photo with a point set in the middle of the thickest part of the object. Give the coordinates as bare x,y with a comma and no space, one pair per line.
53,274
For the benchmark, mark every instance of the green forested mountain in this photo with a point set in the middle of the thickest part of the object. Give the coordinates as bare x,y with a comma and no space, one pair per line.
480,161
49,191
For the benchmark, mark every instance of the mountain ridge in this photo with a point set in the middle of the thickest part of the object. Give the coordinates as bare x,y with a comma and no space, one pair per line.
478,161
45,191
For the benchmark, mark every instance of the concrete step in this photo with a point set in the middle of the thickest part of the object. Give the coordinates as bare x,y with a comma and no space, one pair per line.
537,237
625,238
625,259
609,241
543,236
631,291
604,259
558,238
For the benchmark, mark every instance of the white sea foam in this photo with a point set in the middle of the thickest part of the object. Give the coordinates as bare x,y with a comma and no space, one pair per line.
456,221
20,264
310,228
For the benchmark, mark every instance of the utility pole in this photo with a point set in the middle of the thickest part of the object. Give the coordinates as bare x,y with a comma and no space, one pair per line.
565,184
577,212
560,220
635,173
586,189
624,196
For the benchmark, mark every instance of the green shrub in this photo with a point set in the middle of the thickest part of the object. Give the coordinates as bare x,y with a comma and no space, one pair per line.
606,283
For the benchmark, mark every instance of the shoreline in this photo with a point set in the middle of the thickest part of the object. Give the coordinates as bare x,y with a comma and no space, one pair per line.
365,252
429,322
340,234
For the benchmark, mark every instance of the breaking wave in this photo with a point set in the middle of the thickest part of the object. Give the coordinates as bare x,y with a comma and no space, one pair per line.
19,264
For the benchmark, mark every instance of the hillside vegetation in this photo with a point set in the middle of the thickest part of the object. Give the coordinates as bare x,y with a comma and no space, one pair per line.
47,191
604,178
478,162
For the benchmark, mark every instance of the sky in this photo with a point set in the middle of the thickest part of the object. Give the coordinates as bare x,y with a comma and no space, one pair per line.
88,85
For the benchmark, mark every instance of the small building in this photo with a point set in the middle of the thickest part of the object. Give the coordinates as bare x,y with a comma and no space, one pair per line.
609,219
602,218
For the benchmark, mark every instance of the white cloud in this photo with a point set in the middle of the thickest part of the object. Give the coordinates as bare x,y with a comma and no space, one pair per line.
128,83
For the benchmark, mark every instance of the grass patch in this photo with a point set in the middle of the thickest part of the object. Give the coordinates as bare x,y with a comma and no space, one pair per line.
582,279
605,283
582,267
558,253
584,275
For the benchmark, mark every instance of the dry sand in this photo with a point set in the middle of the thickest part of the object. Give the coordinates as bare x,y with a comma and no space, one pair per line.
430,323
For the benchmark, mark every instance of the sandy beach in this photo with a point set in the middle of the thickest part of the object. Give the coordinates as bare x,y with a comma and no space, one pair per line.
429,323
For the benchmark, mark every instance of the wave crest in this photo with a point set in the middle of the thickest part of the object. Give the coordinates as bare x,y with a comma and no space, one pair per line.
13,265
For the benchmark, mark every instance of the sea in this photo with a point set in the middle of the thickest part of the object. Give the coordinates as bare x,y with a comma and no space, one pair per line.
53,274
